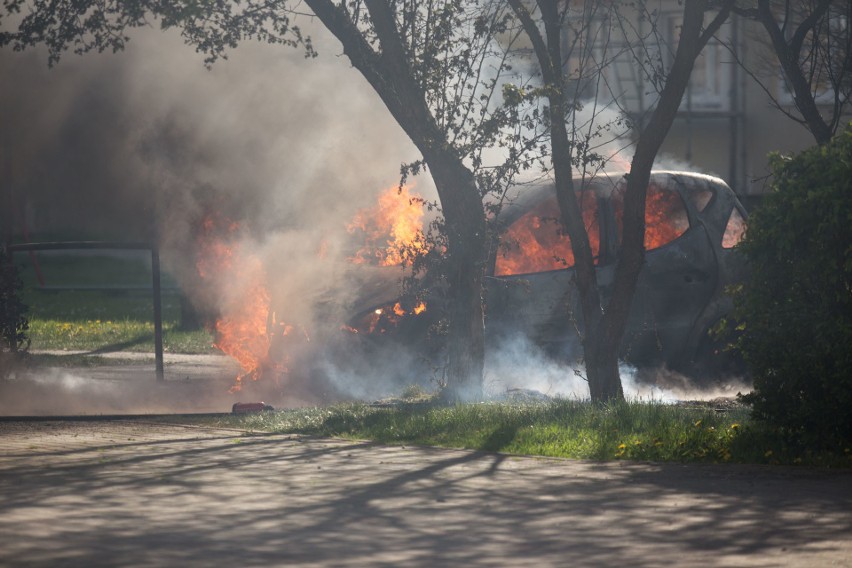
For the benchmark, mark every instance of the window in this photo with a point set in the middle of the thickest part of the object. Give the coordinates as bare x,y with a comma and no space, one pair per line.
665,215
629,53
595,48
710,84
734,230
535,242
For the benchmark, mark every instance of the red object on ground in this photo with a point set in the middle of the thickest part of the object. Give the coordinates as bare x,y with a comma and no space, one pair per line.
246,407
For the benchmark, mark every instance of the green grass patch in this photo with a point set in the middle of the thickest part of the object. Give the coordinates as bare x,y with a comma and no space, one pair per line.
561,428
108,321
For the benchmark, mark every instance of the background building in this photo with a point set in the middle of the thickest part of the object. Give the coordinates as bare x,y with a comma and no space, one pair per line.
733,113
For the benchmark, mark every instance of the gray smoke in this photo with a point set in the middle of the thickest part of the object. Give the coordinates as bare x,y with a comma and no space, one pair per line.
141,145
516,363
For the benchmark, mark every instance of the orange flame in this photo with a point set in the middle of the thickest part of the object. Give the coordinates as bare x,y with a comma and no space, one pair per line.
241,331
537,243
384,318
393,230
665,216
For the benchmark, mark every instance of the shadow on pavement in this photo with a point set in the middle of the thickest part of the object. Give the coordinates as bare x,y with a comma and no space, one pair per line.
135,494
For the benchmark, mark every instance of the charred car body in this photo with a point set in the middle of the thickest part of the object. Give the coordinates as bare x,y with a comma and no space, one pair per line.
692,223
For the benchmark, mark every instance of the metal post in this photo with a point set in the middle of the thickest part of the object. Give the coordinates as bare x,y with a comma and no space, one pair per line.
158,312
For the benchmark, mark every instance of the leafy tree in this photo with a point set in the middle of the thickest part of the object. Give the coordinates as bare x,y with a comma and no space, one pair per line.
795,310
13,312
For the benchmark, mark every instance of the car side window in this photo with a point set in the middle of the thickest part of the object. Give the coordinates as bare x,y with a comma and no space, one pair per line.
666,218
535,242
734,230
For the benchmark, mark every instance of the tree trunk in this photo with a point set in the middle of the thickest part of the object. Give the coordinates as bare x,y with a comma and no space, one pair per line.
789,55
466,246
607,337
604,329
600,353
602,369
390,75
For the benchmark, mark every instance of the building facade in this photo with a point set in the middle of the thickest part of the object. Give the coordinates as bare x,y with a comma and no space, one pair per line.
734,112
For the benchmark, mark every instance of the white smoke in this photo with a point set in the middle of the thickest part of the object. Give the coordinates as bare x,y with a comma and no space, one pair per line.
516,364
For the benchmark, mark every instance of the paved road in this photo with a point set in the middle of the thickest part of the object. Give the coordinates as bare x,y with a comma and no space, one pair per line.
125,383
132,493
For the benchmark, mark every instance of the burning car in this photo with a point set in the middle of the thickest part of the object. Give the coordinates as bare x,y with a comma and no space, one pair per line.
693,221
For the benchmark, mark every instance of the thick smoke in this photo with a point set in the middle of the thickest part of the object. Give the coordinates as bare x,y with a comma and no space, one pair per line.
516,364
143,144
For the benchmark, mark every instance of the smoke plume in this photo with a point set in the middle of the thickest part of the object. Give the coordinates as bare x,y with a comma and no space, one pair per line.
143,144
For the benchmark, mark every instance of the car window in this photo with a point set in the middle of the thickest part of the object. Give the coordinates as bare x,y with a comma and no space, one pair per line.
535,242
665,215
734,230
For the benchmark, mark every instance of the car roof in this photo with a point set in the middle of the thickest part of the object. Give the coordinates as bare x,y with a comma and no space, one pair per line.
529,195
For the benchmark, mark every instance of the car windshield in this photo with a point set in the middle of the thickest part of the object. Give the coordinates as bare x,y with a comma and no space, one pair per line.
535,242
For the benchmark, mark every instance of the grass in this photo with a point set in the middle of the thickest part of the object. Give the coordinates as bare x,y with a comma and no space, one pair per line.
561,428
89,320
71,317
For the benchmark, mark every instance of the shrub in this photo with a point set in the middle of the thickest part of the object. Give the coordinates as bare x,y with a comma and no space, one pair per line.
13,312
795,310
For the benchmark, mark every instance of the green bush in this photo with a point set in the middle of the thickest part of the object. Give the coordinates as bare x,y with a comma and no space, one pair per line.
795,310
13,313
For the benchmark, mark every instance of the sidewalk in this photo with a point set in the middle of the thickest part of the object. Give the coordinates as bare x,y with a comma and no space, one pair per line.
133,493
126,383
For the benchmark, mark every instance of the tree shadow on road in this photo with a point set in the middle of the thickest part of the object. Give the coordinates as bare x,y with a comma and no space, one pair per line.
232,498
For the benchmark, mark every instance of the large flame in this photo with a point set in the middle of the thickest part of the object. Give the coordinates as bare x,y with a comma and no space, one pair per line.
665,216
392,230
242,328
536,242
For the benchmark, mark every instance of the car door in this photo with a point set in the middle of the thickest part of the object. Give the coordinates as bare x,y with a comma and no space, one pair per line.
532,292
678,278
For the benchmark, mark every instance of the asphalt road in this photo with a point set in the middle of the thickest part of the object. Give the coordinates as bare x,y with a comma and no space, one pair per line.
140,493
